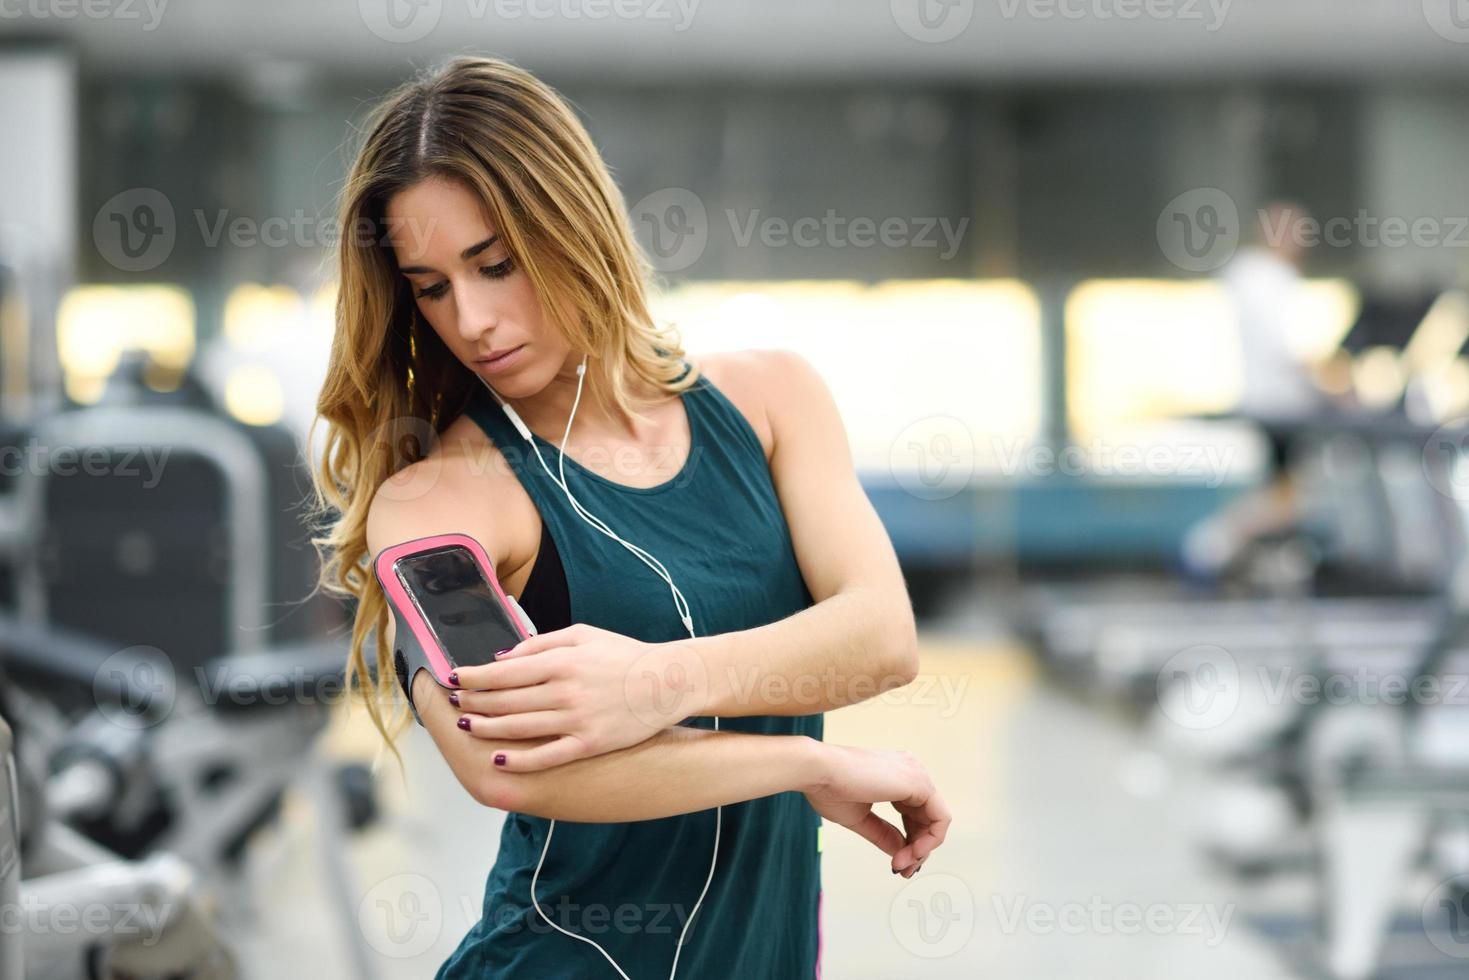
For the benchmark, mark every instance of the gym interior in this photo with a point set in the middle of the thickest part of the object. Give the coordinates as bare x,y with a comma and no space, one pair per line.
1148,326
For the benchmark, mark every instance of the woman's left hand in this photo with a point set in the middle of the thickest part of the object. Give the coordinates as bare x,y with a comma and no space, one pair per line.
597,690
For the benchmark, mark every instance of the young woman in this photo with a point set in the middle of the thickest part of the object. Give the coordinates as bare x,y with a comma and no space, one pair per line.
485,245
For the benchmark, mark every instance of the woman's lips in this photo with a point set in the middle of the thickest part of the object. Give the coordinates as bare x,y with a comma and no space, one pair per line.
503,361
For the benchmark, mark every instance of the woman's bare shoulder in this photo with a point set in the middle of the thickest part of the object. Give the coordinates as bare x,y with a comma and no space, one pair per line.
463,485
748,381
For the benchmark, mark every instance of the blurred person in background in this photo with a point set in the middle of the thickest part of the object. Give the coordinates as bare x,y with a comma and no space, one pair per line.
500,248
1279,389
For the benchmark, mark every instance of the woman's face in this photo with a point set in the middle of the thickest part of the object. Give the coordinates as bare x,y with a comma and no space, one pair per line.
477,299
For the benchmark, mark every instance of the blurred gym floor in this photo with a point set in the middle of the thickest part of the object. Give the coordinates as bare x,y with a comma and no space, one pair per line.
1065,859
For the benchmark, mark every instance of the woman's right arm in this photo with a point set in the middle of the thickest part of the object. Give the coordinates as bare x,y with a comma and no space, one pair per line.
680,769
683,770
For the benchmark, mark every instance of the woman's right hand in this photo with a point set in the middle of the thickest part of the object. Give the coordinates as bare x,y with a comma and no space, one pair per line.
851,780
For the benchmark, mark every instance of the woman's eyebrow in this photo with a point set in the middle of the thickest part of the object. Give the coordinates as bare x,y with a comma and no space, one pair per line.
466,255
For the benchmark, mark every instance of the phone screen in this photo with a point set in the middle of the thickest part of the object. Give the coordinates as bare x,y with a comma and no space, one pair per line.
459,605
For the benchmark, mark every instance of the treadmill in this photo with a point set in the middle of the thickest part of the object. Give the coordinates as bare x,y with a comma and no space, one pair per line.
1384,564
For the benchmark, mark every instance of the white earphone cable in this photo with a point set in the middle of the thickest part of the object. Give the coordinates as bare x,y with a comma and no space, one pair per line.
684,615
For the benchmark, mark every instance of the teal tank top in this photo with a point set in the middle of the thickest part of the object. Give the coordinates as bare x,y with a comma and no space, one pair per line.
718,528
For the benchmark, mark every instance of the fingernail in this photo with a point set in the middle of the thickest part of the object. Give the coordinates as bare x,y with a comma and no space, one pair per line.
895,870
499,758
506,650
454,698
454,677
464,722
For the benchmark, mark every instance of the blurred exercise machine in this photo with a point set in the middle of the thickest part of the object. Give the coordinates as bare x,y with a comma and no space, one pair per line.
1358,550
1363,790
167,674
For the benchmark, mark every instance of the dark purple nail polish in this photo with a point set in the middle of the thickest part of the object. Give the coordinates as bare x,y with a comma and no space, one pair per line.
895,870
499,758
454,698
454,677
464,723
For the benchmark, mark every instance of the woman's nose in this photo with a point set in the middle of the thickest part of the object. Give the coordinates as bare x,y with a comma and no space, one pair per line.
477,315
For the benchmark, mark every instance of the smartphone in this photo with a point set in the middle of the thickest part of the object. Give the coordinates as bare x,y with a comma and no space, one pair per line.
457,603
452,611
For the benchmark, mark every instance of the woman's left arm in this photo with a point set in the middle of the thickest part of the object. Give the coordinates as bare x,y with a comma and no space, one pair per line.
859,638
856,641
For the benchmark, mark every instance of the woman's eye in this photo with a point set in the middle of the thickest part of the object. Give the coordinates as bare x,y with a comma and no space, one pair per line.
499,270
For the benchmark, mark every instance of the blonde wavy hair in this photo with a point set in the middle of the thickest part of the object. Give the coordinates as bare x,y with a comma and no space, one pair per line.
392,386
